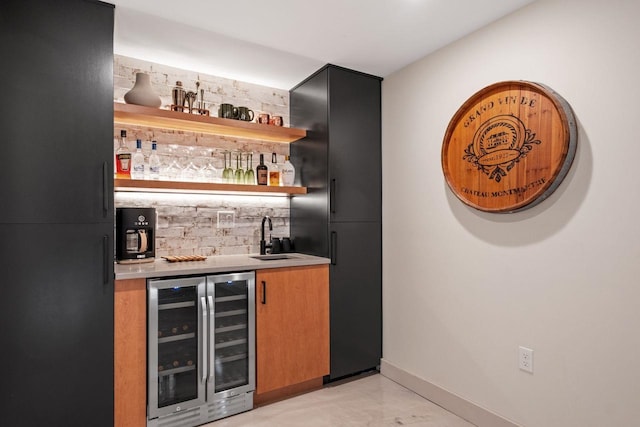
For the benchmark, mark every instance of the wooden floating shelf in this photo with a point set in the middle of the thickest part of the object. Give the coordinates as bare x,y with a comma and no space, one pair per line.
128,114
139,185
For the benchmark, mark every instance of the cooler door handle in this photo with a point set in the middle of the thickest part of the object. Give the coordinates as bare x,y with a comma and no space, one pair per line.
212,317
264,292
205,333
334,248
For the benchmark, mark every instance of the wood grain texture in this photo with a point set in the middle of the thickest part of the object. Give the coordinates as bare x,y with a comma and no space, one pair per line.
165,119
292,326
130,359
509,146
287,392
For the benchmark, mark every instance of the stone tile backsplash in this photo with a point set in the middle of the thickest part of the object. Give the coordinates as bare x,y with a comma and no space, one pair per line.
187,223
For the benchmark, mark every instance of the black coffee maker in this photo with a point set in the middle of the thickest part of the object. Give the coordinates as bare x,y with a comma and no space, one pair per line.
135,235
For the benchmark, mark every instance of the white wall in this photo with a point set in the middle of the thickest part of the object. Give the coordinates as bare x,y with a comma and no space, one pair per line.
462,288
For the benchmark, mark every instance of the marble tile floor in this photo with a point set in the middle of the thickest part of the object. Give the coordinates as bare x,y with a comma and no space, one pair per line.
372,400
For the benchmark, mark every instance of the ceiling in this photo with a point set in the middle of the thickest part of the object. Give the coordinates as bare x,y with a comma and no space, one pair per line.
278,43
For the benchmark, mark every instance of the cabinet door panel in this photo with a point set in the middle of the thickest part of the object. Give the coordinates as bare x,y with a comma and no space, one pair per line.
356,297
57,121
292,326
310,212
56,313
130,352
355,184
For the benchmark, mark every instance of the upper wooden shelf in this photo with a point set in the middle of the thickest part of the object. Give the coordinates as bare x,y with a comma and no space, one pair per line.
129,114
201,187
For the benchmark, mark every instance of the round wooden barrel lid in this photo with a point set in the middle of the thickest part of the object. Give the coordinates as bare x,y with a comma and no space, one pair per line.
509,146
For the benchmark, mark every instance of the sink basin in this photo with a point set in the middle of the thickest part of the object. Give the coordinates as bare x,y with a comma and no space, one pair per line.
273,257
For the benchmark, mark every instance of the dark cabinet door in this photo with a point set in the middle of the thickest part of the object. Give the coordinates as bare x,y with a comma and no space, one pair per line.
56,117
355,184
56,325
355,297
310,212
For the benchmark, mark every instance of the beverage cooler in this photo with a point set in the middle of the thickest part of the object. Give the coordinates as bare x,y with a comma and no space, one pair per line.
201,352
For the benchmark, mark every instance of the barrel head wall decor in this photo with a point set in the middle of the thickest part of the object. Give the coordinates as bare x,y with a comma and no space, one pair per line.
509,146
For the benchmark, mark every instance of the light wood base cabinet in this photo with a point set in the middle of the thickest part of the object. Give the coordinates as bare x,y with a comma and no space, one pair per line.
130,359
292,331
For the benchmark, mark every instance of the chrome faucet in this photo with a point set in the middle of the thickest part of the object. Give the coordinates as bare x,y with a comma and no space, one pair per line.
263,243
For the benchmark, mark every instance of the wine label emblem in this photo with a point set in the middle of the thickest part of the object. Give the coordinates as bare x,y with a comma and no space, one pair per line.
498,145
509,146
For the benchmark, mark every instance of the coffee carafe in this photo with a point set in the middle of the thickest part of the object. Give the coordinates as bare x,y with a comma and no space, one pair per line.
135,235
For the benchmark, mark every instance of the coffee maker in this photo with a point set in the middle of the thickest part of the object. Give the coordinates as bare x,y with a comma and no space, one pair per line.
135,235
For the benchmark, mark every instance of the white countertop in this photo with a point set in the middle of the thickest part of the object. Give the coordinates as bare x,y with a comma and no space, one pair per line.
213,264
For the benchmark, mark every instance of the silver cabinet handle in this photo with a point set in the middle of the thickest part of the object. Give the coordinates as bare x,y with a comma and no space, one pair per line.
204,366
212,317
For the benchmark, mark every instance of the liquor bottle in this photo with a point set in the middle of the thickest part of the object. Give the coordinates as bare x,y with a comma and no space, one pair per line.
274,171
154,161
262,172
288,173
123,157
137,162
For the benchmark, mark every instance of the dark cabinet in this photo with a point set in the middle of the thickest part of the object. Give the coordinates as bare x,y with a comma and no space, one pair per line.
340,216
355,186
56,221
57,111
356,297
57,324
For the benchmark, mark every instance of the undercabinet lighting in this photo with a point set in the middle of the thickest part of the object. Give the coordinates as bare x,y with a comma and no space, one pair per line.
195,199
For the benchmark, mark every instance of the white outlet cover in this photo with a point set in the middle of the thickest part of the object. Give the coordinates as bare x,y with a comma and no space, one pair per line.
226,219
525,359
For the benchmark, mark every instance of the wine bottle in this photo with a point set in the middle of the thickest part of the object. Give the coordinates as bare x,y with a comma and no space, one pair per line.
274,171
154,161
123,157
262,172
137,162
288,173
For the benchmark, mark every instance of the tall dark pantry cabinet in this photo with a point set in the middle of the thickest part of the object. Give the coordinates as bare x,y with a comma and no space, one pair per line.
339,162
56,214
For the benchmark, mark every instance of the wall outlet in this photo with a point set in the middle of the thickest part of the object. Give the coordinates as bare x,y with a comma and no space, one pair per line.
226,219
525,359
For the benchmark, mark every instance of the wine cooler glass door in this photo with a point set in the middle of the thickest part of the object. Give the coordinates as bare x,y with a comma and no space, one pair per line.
177,329
233,337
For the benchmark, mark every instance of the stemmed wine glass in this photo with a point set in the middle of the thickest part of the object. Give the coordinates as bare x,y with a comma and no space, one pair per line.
249,176
227,172
208,171
239,174
190,171
173,171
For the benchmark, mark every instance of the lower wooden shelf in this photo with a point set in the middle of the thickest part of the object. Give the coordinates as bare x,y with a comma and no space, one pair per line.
202,187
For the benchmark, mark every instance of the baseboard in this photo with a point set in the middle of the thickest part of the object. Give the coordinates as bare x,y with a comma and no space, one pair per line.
453,403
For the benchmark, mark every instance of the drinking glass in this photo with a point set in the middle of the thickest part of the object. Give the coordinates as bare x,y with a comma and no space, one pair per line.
174,169
227,172
190,171
208,172
249,176
239,173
